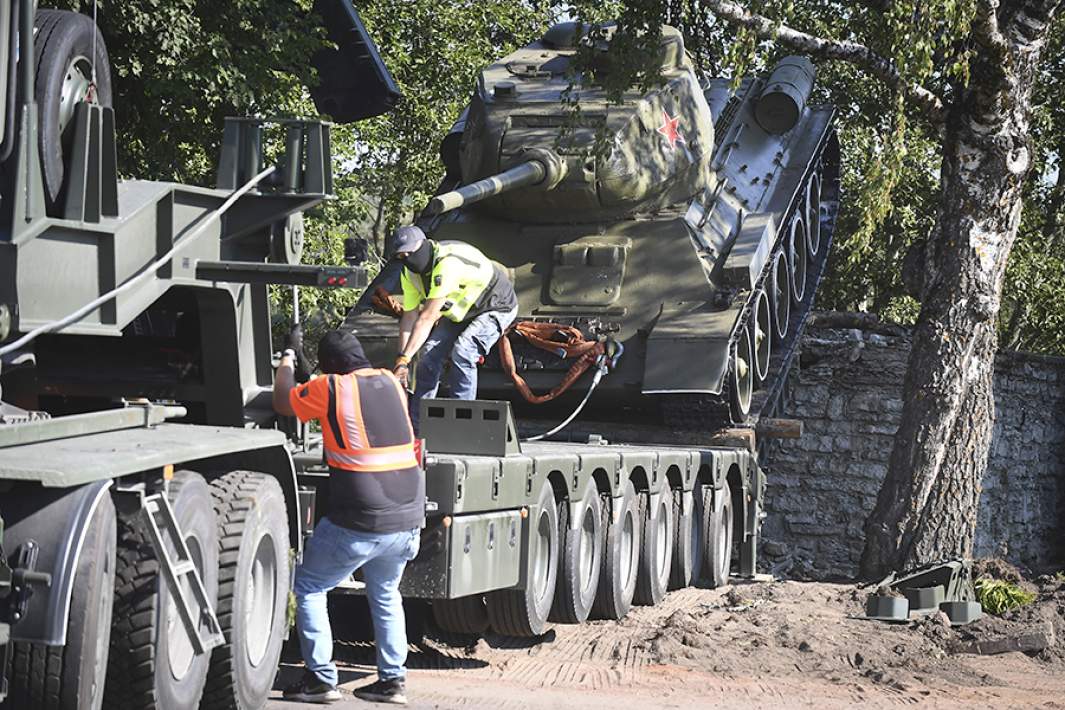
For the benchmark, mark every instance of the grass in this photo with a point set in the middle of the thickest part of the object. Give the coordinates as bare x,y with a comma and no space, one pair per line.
997,596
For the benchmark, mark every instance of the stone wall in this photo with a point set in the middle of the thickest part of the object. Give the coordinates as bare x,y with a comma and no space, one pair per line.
847,390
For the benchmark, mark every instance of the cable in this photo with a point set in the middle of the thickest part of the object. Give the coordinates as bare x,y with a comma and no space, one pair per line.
599,371
144,274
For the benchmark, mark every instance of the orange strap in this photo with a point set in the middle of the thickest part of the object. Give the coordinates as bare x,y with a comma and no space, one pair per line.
572,344
542,335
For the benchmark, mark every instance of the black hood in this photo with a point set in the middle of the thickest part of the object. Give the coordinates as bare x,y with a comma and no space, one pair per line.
421,259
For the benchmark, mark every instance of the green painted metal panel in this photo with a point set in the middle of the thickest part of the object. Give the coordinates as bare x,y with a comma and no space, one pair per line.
82,459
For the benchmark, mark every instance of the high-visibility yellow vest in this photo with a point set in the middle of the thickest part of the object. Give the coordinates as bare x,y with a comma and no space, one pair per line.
460,275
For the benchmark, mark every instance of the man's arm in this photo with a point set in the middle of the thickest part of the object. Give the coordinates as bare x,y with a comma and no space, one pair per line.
406,325
284,383
424,321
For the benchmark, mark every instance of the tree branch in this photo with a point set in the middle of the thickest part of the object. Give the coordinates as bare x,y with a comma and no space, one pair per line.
843,50
985,27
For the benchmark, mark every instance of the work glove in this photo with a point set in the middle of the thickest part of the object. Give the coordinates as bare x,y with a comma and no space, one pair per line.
294,342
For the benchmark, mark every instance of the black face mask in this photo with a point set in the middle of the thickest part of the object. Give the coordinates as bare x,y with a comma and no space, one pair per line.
421,259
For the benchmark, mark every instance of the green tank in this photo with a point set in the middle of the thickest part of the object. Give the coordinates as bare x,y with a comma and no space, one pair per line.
689,224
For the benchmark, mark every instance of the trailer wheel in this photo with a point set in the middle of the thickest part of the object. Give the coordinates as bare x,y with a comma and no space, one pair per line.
580,560
71,677
621,557
523,612
152,662
253,580
464,615
656,552
64,59
687,545
718,539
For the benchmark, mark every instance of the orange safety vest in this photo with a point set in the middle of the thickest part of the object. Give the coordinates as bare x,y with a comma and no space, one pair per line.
365,425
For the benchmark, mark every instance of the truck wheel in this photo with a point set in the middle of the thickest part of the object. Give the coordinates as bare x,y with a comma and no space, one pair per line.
523,612
718,545
621,558
687,543
152,662
464,615
64,59
656,553
580,560
253,580
71,677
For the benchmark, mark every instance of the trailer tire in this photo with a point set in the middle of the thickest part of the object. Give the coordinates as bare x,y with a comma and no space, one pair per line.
63,51
718,536
71,677
621,556
147,668
464,615
253,580
656,550
687,545
523,612
580,560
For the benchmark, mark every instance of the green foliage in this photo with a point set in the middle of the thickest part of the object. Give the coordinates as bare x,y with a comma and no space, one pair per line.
998,596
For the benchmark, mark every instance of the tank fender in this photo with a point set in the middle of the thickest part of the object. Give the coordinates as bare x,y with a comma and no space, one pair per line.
57,519
680,338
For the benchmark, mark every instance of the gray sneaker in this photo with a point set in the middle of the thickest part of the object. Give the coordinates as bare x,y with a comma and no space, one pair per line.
312,690
392,691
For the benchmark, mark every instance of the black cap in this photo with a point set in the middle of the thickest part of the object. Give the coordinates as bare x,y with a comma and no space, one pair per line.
407,239
340,352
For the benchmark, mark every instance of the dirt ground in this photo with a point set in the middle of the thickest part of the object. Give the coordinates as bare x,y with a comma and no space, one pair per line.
748,645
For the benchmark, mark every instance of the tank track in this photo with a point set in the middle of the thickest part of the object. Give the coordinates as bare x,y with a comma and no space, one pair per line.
702,411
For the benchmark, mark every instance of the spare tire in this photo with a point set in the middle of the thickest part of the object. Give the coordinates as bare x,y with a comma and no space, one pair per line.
65,55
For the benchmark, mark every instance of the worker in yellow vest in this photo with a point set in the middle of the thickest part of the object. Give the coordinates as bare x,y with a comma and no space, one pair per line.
456,304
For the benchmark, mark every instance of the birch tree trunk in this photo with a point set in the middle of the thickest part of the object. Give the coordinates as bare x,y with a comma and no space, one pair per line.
926,509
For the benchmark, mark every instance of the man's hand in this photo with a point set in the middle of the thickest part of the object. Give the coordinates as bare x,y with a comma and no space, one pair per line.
402,371
294,342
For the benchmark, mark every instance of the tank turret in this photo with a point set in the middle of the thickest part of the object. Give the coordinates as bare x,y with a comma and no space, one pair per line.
688,223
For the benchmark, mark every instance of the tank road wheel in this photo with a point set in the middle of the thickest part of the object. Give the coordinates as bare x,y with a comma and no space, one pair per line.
71,677
797,248
657,549
760,329
523,612
464,615
64,59
718,540
621,557
253,579
741,377
152,663
580,559
780,296
813,216
688,540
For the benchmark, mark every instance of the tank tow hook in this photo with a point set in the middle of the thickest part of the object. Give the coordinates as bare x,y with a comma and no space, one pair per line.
607,361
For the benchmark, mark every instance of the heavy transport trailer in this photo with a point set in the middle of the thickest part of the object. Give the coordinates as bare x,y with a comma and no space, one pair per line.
522,534
147,548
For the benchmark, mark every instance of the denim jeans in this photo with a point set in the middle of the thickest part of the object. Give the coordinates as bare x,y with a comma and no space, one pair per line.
331,555
466,344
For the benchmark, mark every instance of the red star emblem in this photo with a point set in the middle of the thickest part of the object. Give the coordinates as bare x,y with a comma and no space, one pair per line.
669,129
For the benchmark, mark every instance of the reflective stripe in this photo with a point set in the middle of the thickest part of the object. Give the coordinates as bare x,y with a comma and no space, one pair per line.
346,420
383,459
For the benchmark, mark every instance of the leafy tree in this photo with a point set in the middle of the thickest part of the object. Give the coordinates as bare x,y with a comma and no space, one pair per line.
954,83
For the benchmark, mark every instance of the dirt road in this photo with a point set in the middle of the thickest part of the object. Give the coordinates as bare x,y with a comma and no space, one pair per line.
759,645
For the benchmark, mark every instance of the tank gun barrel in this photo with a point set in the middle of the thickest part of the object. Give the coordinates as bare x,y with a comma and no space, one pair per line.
542,168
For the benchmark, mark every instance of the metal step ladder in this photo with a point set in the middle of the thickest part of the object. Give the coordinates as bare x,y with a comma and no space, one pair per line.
160,515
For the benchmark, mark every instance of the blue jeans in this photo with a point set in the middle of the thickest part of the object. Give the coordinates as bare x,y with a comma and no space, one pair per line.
332,554
466,344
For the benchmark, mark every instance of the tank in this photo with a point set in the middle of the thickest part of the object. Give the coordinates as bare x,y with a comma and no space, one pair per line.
686,227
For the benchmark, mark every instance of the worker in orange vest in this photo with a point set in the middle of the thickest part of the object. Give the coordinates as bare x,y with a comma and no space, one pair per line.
375,514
